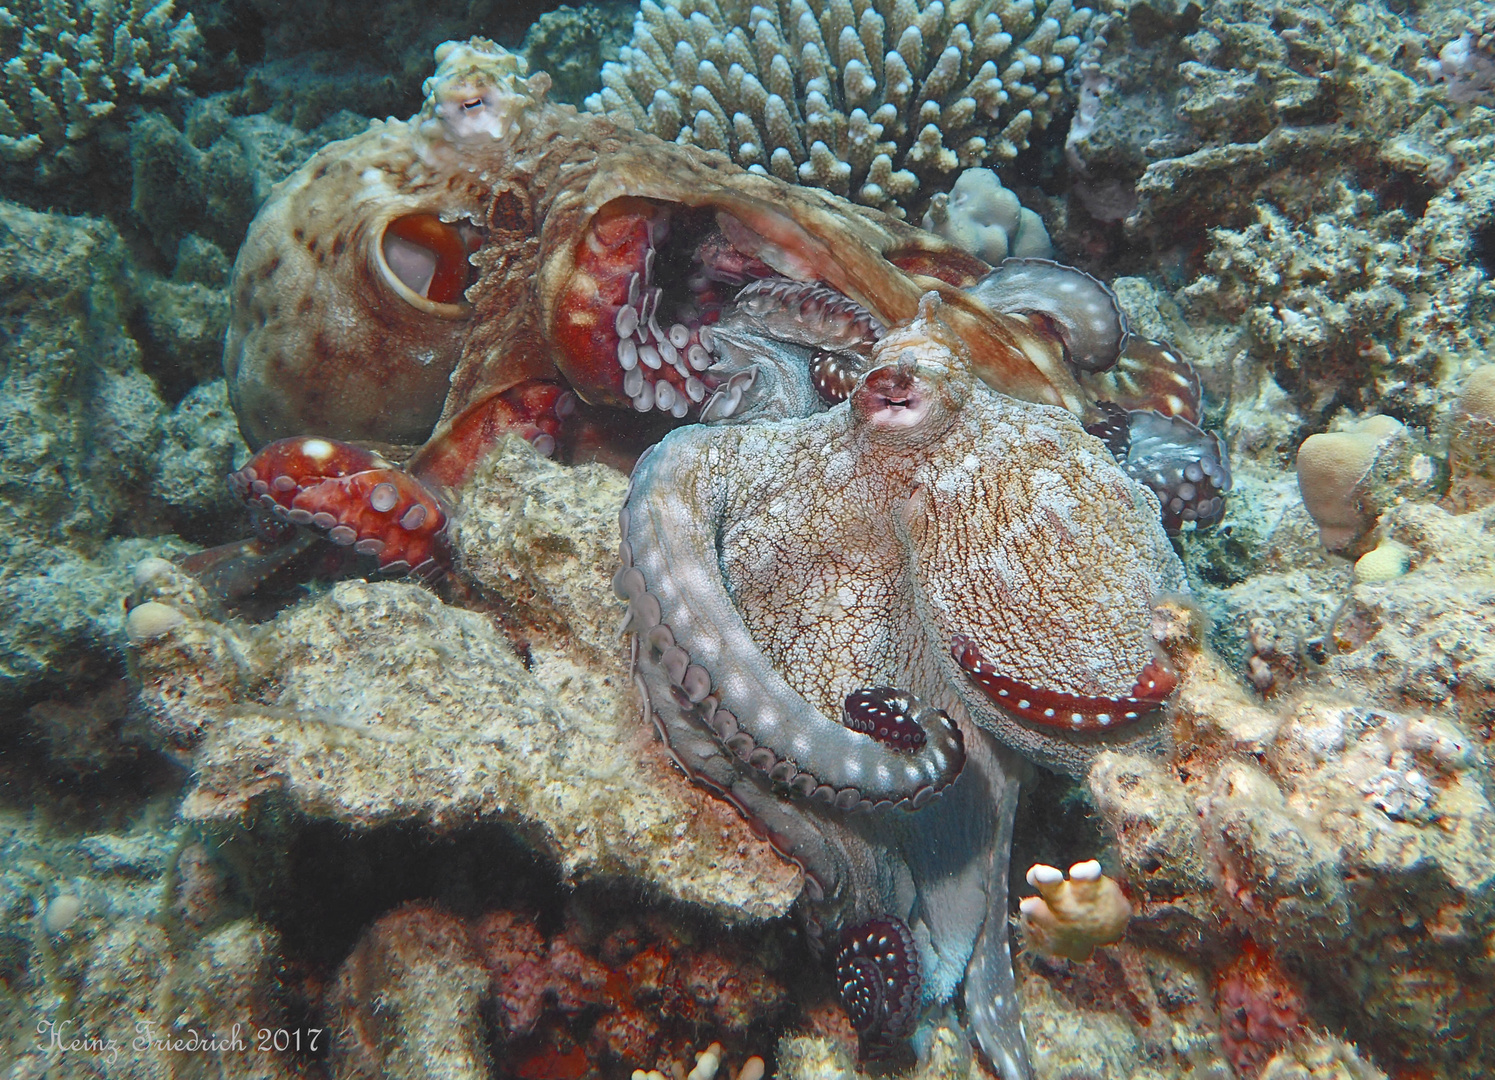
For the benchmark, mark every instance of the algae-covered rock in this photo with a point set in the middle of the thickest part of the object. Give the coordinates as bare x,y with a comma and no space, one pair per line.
377,702
1315,818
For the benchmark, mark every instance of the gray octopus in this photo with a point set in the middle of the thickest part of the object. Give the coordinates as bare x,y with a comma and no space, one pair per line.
826,612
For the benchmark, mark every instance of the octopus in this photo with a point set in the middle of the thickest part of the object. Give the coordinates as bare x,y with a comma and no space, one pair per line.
849,625
897,518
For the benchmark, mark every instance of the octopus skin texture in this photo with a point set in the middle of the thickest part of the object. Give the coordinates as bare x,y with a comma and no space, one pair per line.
788,580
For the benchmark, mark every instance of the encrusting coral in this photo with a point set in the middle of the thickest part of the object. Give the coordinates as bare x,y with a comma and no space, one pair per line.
1348,477
70,67
1285,833
1471,442
429,993
879,101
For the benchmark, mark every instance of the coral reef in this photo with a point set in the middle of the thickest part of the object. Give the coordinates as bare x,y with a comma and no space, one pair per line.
76,73
1316,204
1313,819
412,997
1307,198
88,437
96,953
877,101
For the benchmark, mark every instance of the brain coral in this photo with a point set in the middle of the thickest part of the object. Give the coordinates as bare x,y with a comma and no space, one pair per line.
878,100
69,65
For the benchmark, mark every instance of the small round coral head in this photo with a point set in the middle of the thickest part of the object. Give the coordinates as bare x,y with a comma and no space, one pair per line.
1071,917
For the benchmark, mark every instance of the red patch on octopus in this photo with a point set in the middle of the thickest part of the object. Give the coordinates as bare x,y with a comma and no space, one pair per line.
1056,709
628,323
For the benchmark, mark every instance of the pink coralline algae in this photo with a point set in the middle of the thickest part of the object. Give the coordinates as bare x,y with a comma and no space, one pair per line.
568,1005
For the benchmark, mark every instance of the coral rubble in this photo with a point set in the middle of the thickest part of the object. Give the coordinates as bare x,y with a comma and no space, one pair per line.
379,703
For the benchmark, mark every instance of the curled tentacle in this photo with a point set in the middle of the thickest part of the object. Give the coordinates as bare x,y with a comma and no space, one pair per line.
1185,466
356,497
1061,711
1083,311
691,632
889,715
879,979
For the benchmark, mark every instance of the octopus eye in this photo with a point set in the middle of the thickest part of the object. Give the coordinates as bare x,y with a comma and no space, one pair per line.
472,103
428,256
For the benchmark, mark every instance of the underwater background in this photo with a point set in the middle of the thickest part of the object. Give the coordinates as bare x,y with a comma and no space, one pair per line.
429,824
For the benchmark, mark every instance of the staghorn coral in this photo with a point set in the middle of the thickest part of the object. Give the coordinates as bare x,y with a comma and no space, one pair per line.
880,102
71,67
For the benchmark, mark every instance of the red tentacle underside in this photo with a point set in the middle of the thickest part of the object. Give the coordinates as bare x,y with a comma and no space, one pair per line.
610,256
533,409
356,497
1056,709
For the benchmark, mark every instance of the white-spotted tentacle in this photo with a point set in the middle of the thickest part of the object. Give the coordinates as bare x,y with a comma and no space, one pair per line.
1083,309
693,747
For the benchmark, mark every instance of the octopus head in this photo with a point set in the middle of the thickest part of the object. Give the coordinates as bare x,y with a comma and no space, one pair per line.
478,92
919,381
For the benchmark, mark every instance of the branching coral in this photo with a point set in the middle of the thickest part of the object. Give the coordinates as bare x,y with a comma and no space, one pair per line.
879,100
71,64
1070,917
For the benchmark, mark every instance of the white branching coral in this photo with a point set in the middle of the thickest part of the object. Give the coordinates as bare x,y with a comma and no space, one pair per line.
69,64
879,100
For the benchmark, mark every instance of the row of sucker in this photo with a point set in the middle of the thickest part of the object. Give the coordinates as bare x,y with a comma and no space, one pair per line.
1060,710
646,346
809,313
879,978
820,879
1083,310
362,502
1185,466
835,765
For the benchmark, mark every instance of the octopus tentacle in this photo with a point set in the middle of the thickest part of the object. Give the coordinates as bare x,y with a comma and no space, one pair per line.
690,630
355,496
1059,710
879,979
1186,467
1082,310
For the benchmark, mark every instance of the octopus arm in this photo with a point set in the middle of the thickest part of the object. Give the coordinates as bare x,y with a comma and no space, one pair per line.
689,627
